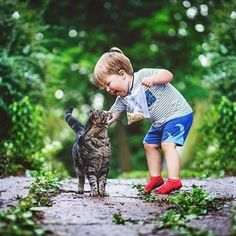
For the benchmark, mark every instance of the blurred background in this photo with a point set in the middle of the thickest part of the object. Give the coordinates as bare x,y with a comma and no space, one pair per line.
48,49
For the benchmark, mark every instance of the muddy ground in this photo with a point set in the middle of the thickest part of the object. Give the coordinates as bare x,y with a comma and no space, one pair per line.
75,215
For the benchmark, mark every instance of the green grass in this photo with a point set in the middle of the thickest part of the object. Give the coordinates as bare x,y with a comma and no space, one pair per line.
143,174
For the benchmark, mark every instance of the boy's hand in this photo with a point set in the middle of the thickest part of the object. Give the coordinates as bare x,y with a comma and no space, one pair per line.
115,116
149,82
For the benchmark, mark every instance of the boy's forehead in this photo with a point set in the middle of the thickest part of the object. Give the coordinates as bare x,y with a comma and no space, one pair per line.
110,77
106,79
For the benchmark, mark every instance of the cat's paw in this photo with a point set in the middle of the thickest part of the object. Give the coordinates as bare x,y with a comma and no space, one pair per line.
80,190
93,193
104,194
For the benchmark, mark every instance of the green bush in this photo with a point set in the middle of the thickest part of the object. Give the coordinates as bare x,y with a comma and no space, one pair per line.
22,149
21,73
217,150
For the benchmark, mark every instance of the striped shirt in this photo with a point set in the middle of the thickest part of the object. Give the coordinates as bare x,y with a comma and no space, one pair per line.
164,101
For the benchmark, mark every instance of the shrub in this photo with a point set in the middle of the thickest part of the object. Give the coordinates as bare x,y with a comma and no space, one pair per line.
217,150
22,149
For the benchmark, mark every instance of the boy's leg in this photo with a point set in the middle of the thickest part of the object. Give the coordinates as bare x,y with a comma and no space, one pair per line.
172,160
173,169
174,132
154,160
154,163
151,145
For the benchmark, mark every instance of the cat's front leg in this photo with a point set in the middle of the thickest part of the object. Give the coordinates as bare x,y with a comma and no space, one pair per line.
102,186
93,184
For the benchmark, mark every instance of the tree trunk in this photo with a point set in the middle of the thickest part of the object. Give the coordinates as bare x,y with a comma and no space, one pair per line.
123,147
189,148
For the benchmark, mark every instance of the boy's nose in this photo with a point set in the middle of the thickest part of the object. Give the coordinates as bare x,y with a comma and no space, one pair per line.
108,90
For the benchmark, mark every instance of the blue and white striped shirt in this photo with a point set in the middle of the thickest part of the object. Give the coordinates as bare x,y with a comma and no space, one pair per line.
164,101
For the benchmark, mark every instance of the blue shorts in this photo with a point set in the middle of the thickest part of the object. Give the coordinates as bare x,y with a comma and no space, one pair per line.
173,131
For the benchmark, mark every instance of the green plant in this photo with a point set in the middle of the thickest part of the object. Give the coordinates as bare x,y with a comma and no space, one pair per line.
22,219
118,219
21,74
43,188
23,148
217,150
185,207
194,203
147,197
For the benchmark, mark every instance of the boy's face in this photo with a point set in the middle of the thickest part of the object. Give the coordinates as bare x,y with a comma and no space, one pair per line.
118,84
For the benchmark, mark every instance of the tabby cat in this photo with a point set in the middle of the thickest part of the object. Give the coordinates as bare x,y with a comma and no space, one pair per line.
91,151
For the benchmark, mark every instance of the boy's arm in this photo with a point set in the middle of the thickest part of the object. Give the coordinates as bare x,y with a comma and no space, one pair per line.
163,77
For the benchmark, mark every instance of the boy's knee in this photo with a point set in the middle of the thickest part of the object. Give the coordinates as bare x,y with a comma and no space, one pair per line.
149,147
167,146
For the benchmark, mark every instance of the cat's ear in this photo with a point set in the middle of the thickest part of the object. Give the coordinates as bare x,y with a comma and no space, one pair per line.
94,113
92,110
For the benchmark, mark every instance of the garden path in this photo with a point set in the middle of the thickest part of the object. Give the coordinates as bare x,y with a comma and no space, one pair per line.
72,214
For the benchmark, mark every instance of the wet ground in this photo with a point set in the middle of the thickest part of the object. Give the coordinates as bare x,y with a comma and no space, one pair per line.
11,188
72,214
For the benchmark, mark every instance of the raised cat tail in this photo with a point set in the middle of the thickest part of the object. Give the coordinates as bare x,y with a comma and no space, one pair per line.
72,122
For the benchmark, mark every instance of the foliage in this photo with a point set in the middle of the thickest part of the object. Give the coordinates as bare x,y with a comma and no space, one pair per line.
44,187
22,149
20,68
19,221
21,136
222,78
187,206
147,197
134,174
194,203
182,208
216,153
142,174
218,141
23,219
118,219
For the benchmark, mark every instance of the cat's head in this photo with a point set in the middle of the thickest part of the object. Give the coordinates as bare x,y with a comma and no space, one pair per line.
99,117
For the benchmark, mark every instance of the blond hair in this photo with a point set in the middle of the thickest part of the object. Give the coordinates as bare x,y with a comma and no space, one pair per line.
110,63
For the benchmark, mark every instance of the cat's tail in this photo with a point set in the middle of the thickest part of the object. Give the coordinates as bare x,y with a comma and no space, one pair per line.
72,122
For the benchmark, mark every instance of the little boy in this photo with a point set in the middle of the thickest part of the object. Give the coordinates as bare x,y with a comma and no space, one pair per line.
170,114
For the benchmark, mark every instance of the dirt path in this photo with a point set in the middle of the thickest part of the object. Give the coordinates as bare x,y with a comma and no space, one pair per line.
12,187
73,214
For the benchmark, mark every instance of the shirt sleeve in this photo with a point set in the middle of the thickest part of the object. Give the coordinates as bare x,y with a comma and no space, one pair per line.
148,72
118,106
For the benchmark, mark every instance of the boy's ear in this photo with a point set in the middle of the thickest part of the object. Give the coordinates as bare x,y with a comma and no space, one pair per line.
121,72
